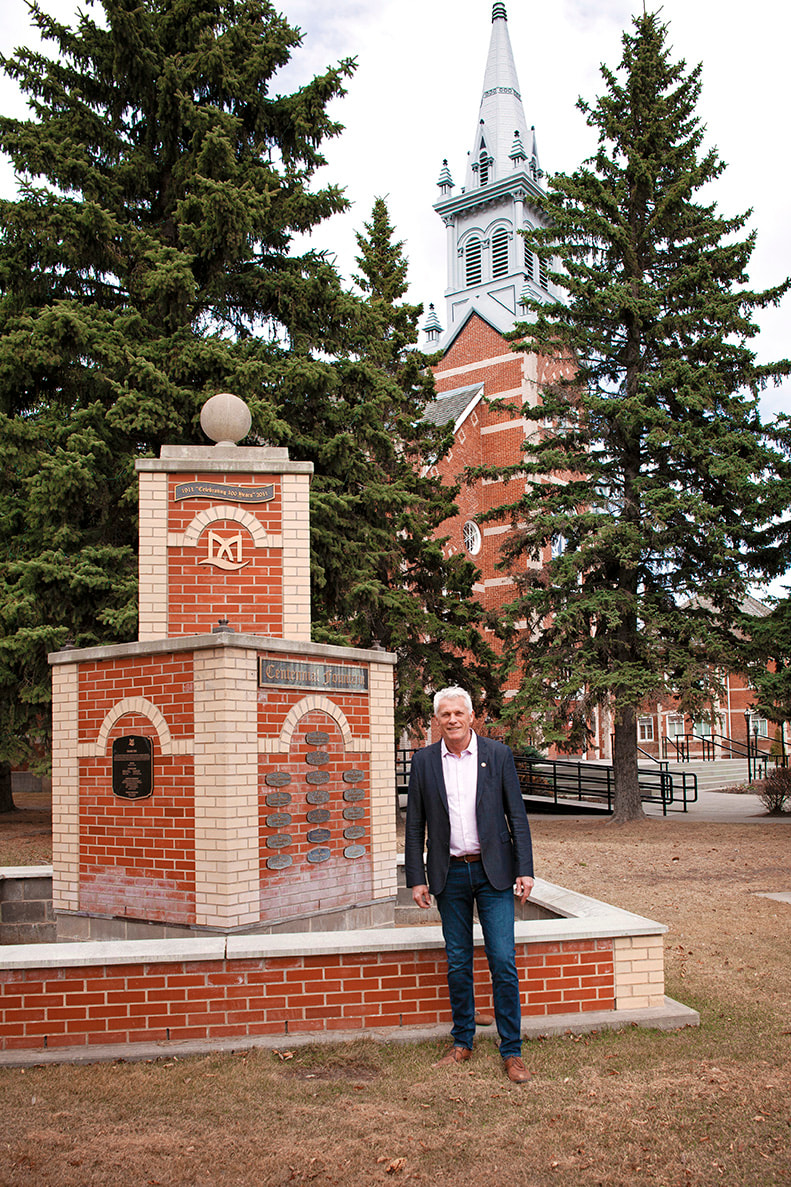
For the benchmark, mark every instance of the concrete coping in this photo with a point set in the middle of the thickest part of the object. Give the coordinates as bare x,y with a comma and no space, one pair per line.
19,872
592,921
182,643
226,459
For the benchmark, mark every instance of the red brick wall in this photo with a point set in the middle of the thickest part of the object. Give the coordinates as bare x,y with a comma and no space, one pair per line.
137,858
199,595
213,999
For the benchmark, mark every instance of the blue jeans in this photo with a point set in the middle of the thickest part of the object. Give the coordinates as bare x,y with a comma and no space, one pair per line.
467,884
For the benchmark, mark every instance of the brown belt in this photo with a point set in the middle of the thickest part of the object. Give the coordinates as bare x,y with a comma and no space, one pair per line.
467,858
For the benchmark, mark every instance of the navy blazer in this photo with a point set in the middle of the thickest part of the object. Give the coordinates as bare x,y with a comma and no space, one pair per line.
506,848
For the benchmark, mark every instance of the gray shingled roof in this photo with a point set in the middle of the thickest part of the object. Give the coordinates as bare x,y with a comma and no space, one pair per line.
449,406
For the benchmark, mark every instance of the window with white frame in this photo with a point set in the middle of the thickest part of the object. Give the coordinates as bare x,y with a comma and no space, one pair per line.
645,729
473,261
675,726
471,537
499,253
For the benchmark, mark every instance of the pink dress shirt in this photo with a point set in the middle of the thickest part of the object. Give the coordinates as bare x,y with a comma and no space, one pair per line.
460,773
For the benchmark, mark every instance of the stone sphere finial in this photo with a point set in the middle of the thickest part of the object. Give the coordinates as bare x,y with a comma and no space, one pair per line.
225,418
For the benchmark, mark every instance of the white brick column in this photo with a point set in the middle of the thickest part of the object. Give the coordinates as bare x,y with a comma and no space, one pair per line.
65,788
152,562
296,557
383,801
227,874
639,972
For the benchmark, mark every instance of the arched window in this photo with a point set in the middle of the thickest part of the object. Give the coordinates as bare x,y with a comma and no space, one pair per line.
471,537
483,165
473,261
500,253
529,261
543,279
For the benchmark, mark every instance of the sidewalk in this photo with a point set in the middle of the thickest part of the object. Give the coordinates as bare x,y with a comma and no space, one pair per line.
724,808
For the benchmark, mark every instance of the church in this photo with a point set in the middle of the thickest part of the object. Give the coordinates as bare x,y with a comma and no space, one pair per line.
482,383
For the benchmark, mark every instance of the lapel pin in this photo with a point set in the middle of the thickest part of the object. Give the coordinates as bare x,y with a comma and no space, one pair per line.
483,764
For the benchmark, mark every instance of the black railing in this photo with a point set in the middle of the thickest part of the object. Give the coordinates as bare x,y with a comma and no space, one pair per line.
563,782
710,747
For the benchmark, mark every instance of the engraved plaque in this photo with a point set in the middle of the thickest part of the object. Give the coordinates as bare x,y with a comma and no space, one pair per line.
353,776
319,796
132,767
317,855
278,820
356,812
354,833
317,738
317,777
281,841
278,799
318,816
352,851
317,758
352,794
317,836
290,673
278,779
279,861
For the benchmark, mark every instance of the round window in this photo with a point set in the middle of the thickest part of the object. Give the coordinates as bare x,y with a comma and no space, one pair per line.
471,535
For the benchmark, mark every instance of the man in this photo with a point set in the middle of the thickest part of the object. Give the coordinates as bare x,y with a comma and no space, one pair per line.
464,791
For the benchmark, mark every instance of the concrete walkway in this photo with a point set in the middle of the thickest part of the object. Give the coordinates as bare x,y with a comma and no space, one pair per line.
724,808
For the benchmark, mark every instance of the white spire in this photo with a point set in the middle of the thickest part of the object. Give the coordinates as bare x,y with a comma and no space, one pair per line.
501,116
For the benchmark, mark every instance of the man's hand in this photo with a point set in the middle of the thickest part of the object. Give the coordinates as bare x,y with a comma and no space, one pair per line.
421,896
524,887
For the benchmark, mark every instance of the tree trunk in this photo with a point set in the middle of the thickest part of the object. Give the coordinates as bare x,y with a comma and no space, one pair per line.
6,798
627,787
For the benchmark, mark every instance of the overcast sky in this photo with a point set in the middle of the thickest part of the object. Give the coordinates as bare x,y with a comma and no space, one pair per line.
414,101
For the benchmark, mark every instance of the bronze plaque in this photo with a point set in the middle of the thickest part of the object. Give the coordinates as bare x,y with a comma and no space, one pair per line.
352,794
278,779
293,673
353,776
318,855
317,836
317,758
279,861
319,796
354,833
280,841
317,777
356,812
317,738
278,820
133,763
278,799
224,491
352,851
318,816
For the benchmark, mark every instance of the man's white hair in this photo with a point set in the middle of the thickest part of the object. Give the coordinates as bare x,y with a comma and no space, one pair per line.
446,694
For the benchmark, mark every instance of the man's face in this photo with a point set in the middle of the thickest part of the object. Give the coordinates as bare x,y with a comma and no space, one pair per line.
455,723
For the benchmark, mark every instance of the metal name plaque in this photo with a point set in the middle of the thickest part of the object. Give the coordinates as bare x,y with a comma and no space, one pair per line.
278,820
317,777
353,776
278,779
317,836
354,813
317,738
278,799
354,833
279,861
318,816
352,794
318,855
352,851
317,758
319,796
299,674
133,775
224,490
281,841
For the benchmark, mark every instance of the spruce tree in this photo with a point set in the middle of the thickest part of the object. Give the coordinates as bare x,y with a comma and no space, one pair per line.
650,482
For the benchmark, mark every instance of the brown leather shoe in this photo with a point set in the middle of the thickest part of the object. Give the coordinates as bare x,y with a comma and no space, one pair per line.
515,1070
483,1019
455,1055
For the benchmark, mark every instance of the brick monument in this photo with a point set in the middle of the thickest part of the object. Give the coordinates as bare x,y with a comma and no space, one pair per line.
223,773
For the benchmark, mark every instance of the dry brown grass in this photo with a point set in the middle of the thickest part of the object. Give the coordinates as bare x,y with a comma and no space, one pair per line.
692,1107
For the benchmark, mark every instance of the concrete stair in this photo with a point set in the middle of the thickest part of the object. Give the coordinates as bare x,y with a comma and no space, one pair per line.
712,776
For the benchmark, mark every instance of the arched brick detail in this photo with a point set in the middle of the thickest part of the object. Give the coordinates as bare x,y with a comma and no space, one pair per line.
306,705
142,707
189,538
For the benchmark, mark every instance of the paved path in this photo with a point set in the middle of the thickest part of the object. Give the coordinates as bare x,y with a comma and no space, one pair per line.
724,808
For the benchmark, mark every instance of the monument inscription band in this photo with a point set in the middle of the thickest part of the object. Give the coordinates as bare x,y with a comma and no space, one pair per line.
297,674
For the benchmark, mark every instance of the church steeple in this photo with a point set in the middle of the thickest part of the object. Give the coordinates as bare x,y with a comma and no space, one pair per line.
489,267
